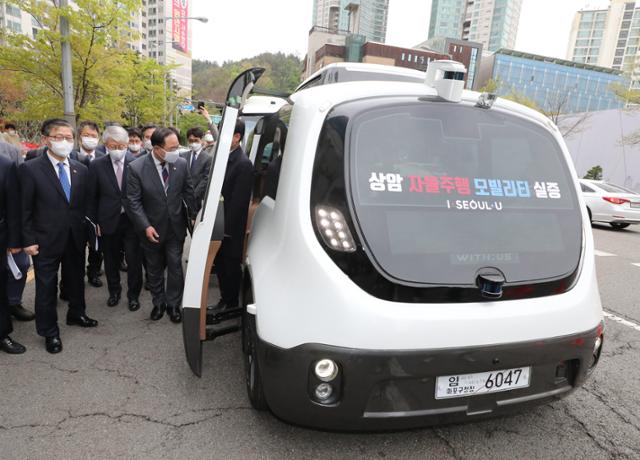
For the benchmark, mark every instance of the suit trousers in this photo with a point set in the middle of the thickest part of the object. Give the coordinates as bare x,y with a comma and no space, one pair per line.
15,287
160,256
228,265
6,327
46,274
124,238
94,261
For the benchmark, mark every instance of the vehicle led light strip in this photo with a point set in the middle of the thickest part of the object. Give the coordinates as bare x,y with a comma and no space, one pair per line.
334,230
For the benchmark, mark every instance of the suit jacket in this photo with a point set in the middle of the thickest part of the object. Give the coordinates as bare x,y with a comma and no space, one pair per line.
11,152
148,205
106,200
48,219
77,155
199,173
236,190
35,153
10,236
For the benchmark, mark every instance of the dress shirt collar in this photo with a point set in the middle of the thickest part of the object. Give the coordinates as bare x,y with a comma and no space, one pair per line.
55,162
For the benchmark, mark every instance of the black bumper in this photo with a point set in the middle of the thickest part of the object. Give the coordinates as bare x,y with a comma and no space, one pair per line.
389,390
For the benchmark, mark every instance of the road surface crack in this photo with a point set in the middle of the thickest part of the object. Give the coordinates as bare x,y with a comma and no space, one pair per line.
452,449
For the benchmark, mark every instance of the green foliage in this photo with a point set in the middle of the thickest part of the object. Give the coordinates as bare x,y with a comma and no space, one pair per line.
594,173
190,120
491,86
106,73
211,80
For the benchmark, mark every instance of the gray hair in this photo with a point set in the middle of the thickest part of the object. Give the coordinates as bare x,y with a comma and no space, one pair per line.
116,133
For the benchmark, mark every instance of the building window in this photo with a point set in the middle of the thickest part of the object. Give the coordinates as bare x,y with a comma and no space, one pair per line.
13,11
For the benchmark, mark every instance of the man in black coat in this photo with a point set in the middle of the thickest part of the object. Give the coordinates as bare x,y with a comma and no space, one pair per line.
159,200
236,190
108,180
199,164
54,199
10,240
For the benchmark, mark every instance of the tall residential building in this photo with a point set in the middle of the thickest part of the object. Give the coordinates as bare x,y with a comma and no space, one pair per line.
361,17
494,23
164,34
608,38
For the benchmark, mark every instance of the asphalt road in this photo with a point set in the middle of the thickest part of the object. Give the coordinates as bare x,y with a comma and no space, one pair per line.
124,390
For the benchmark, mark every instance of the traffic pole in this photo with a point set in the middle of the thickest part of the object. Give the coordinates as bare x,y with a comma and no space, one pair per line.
67,73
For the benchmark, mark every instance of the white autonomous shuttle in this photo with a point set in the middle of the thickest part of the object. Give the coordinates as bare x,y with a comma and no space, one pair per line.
419,254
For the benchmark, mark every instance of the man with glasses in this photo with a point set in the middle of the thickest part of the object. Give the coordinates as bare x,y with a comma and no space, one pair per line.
159,199
54,199
108,181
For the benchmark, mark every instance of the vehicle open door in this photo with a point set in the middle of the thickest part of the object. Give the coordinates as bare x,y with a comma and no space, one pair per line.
209,230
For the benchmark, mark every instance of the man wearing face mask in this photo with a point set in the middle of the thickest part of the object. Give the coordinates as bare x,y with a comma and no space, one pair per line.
135,147
199,164
54,200
89,135
108,179
209,143
158,189
147,132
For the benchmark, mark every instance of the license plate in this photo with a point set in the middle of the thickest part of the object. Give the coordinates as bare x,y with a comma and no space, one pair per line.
456,386
635,205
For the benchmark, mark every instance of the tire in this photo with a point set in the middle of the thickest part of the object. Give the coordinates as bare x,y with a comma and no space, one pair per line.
618,225
253,377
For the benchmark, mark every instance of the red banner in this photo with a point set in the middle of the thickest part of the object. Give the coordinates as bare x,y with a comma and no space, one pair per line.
179,33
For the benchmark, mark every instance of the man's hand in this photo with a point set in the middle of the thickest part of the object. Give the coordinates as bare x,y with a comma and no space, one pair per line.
152,235
32,250
205,113
14,250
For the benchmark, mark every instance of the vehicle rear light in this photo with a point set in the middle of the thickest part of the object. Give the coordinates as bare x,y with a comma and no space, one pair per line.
334,230
614,200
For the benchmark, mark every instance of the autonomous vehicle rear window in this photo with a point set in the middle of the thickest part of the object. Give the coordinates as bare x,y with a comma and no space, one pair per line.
442,190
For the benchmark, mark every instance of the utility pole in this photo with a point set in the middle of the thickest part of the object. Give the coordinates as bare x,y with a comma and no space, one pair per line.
67,75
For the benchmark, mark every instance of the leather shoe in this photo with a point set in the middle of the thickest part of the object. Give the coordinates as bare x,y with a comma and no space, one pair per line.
158,312
21,314
174,314
114,299
53,344
11,347
217,308
82,321
134,305
95,281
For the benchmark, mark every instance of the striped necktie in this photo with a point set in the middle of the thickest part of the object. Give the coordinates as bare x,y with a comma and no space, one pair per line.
165,175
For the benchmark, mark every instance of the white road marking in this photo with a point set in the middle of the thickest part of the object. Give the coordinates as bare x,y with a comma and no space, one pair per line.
603,254
624,322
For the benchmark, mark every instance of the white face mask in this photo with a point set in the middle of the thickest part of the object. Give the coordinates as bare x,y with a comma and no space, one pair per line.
117,155
147,144
134,147
171,157
208,138
62,148
196,146
89,143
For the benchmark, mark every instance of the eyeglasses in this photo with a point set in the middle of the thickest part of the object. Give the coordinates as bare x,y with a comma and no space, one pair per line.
60,138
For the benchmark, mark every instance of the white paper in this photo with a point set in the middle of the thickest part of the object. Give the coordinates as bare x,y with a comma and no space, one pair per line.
95,231
15,271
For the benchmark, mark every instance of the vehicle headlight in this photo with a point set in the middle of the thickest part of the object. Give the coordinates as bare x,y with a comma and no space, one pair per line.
334,230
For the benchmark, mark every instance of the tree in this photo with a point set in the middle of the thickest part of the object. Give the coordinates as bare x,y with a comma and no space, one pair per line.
190,120
12,92
104,68
594,173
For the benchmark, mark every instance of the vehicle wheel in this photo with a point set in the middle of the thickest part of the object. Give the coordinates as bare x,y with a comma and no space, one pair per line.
618,225
253,378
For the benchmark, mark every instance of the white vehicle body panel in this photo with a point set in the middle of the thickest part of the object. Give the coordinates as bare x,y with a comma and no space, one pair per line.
301,296
604,211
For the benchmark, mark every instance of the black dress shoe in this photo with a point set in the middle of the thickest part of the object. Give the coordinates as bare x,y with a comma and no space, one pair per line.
53,344
21,314
134,305
174,314
11,347
82,321
158,312
114,299
95,281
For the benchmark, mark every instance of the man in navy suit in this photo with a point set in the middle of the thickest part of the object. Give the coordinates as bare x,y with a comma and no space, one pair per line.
54,200
108,179
10,241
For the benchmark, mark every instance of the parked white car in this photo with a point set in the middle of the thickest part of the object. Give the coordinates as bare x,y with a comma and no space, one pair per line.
609,203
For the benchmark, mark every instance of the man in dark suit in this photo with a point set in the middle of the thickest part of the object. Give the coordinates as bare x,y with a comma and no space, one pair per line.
236,190
159,200
10,241
41,151
199,164
87,152
108,179
54,196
